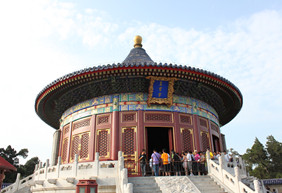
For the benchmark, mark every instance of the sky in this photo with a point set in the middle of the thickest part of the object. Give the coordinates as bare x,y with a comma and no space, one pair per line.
42,40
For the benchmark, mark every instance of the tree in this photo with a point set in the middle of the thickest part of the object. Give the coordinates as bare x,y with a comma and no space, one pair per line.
28,168
274,149
264,163
11,155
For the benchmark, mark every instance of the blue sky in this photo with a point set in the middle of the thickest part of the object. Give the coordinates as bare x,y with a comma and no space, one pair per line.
42,40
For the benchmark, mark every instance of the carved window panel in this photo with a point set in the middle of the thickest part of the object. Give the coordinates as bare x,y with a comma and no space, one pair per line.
80,146
203,123
64,153
185,119
103,119
128,117
103,143
66,129
215,128
81,123
158,117
129,152
187,139
205,140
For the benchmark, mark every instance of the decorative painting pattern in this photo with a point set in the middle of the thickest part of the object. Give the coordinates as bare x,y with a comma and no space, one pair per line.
135,102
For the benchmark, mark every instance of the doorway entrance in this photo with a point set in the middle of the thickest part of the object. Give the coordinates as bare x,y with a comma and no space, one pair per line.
216,146
158,138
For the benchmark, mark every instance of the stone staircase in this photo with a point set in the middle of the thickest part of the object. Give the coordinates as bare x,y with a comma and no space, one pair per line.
144,184
205,184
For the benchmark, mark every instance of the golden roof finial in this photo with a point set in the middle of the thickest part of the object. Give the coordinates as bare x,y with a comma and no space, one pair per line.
137,41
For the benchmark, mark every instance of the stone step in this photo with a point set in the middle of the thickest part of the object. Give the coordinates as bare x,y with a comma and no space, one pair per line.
107,189
206,185
144,185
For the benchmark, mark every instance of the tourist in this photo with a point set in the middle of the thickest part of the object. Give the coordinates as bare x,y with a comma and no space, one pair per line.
176,163
164,158
190,159
184,164
156,158
202,163
211,154
197,161
151,166
142,159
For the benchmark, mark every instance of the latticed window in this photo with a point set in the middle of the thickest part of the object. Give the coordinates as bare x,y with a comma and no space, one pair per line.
79,124
157,117
128,117
103,142
65,150
75,146
103,119
66,129
80,146
185,119
205,141
215,128
84,146
128,140
203,123
187,139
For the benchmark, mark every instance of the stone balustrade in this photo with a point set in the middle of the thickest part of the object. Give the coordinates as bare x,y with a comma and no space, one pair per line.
230,174
64,177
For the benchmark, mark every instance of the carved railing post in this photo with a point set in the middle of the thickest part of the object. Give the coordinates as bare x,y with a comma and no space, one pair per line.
74,167
97,167
58,166
17,183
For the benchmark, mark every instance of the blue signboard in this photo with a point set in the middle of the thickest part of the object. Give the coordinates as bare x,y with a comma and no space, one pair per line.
160,89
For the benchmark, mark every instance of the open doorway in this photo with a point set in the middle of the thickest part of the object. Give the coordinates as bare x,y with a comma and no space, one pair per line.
158,138
215,143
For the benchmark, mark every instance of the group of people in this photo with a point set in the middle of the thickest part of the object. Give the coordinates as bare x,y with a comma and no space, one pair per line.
163,163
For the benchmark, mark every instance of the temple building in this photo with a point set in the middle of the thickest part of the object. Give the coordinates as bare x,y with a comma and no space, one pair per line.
134,105
104,116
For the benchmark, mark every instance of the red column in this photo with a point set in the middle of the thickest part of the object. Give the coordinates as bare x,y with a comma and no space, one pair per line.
140,132
115,136
196,132
177,140
210,136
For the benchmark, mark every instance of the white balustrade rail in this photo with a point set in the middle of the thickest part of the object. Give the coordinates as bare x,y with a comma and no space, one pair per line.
47,177
230,174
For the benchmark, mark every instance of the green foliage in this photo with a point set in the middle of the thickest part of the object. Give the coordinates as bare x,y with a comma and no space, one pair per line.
11,155
264,163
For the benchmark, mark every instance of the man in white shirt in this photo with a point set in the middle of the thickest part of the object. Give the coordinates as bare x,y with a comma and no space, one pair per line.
190,160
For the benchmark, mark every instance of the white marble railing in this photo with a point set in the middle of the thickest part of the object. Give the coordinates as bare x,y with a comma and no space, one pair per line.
229,175
122,185
47,178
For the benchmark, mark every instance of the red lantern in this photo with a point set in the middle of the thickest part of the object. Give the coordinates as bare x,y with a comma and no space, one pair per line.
87,186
